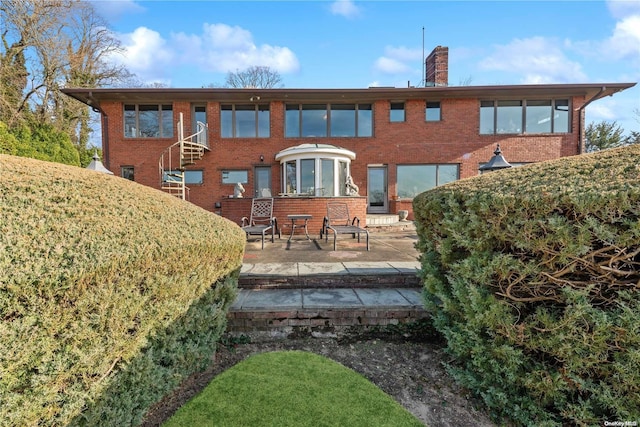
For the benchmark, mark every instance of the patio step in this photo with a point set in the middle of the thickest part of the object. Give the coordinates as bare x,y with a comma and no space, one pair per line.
285,313
329,275
381,219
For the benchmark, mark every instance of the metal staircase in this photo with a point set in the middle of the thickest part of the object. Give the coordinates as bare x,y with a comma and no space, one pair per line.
173,161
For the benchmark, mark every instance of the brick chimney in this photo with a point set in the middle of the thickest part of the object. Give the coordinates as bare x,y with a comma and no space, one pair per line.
437,67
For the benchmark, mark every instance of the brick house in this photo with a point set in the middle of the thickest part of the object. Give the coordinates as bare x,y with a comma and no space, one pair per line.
301,145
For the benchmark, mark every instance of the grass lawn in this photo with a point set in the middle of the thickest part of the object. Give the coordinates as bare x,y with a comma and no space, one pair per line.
291,388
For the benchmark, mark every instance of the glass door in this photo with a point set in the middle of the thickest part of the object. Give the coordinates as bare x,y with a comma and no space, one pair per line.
199,114
377,190
262,187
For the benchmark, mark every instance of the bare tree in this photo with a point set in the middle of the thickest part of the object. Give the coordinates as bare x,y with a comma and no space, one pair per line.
260,77
65,43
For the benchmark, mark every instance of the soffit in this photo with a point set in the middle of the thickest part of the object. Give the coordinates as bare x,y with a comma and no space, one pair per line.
95,97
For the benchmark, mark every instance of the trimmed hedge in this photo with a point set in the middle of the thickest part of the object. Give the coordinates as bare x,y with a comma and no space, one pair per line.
111,293
533,276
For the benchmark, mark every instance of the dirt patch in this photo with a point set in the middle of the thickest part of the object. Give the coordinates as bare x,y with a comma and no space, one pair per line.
404,367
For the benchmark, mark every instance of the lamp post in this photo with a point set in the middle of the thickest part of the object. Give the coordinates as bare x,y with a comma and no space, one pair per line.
497,162
97,165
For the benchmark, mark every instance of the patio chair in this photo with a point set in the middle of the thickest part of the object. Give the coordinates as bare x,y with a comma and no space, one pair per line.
261,219
338,221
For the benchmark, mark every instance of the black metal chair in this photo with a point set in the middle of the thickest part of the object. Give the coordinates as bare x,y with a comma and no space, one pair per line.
261,219
338,221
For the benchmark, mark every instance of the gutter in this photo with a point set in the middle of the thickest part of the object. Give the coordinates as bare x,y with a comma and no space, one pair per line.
581,118
95,106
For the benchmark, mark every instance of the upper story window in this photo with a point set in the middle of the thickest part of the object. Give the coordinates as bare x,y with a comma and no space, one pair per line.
432,111
244,121
322,120
396,112
524,116
148,121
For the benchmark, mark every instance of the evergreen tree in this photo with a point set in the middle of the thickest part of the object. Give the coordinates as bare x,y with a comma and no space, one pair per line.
603,135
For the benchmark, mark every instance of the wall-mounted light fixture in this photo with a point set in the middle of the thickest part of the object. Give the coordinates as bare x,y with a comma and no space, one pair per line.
254,98
261,158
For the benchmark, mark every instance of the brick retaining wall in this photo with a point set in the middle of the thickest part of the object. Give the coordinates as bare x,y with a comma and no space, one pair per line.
318,321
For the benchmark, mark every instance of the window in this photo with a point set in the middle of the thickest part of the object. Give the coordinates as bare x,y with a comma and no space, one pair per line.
524,116
327,177
244,121
126,172
307,176
234,177
415,179
509,117
322,120
396,112
432,112
190,177
148,121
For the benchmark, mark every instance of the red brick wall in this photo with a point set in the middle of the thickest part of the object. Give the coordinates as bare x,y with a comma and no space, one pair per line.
454,139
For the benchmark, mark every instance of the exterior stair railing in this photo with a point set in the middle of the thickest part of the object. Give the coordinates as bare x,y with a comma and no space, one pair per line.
175,158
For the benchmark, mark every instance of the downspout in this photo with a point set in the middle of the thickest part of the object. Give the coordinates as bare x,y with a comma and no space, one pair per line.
580,118
95,106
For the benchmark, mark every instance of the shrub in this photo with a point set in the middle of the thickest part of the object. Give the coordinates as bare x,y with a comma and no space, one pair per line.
111,293
532,275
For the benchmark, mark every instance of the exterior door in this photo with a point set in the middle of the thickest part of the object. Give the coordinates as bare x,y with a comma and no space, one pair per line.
377,190
262,187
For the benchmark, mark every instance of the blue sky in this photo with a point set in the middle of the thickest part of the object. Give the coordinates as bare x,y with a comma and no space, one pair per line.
357,44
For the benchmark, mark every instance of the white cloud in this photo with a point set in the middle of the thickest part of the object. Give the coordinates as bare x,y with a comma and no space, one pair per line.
538,60
623,8
146,54
603,110
113,10
223,48
390,66
625,40
346,8
219,48
398,60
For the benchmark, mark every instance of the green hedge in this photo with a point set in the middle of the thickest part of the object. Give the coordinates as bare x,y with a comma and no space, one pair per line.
110,293
533,277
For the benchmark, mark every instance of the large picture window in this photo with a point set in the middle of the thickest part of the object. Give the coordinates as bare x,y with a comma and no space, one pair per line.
524,116
148,121
322,120
415,179
244,121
